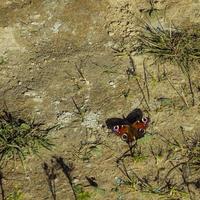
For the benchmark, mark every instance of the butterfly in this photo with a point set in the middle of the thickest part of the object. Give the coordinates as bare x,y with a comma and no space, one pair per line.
130,128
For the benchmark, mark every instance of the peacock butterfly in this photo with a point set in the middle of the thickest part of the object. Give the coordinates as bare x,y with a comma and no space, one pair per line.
130,128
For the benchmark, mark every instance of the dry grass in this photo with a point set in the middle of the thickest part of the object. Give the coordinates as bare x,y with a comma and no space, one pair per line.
19,138
176,45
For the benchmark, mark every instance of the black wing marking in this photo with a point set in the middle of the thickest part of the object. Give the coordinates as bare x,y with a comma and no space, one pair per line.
111,122
134,116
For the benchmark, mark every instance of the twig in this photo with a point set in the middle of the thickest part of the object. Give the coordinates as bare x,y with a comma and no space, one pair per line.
151,149
184,177
131,71
146,80
191,88
184,137
142,91
158,73
80,72
125,153
173,168
179,94
164,139
77,107
124,170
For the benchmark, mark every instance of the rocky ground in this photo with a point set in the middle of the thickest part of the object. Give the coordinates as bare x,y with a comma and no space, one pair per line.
56,56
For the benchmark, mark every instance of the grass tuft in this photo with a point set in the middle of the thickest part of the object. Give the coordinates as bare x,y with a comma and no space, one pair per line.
177,45
19,138
180,46
15,195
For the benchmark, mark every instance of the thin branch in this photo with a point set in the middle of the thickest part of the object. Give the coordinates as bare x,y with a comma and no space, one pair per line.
131,71
125,153
80,72
153,153
146,80
142,91
184,177
124,170
179,94
191,88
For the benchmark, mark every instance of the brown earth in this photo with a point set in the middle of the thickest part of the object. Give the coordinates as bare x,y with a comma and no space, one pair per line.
42,43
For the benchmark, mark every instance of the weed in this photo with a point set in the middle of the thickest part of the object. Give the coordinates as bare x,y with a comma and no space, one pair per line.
175,45
131,71
184,160
177,178
3,60
15,195
81,109
143,93
19,138
81,194
151,8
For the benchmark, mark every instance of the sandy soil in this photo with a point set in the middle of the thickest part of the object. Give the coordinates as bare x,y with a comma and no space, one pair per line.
43,45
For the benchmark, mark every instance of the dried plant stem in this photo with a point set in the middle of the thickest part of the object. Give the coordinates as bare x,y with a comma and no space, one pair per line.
143,94
179,94
146,80
80,72
153,153
125,153
124,171
131,149
158,73
78,109
185,179
191,88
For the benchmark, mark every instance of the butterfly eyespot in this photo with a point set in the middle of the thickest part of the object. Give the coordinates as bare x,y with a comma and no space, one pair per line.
124,137
116,128
145,119
141,130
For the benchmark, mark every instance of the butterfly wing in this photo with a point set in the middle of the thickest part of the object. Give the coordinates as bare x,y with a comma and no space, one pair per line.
140,127
111,122
130,128
134,116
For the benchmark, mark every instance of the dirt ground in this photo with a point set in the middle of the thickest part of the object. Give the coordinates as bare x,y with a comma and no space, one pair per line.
52,52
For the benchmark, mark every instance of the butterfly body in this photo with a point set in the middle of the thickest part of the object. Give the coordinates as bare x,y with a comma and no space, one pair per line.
129,128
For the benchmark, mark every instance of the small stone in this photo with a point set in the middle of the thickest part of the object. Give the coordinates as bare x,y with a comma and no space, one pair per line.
88,165
111,34
111,83
119,181
187,128
75,181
